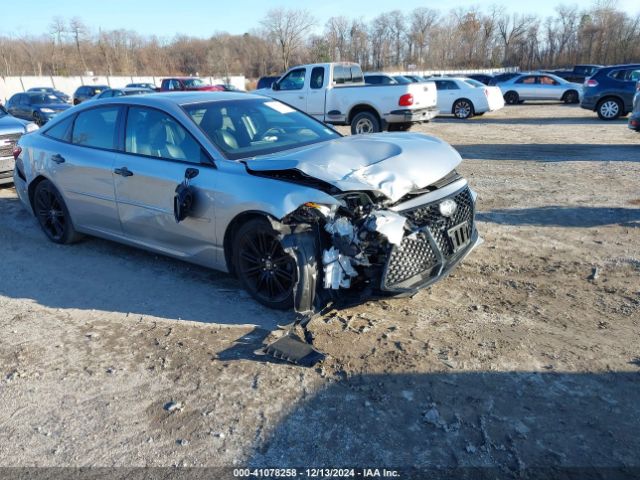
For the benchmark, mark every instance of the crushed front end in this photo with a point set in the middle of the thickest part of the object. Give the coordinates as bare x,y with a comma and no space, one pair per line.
371,247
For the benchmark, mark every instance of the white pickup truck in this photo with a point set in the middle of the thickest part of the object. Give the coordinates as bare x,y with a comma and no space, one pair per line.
335,93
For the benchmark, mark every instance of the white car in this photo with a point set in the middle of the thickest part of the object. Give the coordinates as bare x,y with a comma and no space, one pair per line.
465,97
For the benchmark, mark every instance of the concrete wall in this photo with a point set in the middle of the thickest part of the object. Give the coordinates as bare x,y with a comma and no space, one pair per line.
491,71
12,85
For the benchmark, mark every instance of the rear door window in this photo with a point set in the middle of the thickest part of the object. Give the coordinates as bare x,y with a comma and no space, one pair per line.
529,80
153,133
96,128
60,130
317,77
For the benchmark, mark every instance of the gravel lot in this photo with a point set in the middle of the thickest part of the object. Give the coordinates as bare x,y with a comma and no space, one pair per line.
521,359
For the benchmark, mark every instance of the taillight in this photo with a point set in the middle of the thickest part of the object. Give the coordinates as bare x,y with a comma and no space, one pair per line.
591,83
406,100
17,150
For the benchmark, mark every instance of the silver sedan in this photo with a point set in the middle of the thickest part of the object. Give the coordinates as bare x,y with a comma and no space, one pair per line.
540,86
249,185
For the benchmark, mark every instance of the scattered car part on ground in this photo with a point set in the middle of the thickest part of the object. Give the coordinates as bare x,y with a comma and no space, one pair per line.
539,86
465,97
335,93
11,129
609,91
36,107
303,216
86,92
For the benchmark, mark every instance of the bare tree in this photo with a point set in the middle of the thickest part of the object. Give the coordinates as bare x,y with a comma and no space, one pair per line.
512,29
78,31
288,29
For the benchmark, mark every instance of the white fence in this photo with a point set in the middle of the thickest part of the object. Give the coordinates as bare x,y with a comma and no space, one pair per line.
491,71
68,85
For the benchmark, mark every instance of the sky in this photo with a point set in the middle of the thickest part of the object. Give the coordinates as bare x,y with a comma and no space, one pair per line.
204,18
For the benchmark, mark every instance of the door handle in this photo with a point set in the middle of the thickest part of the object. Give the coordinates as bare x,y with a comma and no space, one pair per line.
57,158
124,171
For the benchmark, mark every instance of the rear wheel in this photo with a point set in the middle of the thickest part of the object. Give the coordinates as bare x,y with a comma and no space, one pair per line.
463,108
265,270
511,97
53,215
571,97
365,122
609,109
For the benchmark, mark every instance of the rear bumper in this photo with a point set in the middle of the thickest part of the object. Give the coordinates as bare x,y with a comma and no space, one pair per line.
634,122
589,102
411,116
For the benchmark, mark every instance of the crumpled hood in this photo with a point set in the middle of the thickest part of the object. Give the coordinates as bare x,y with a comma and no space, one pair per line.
391,163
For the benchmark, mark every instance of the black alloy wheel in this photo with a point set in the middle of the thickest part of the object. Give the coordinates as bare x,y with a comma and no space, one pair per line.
265,270
571,97
511,97
52,214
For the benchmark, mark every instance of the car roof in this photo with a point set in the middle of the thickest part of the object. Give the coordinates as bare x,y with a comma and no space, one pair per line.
171,99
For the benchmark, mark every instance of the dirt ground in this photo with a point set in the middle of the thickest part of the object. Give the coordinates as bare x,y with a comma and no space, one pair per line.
523,358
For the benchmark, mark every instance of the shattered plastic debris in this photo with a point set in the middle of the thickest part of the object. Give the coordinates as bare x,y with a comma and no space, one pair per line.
337,269
389,224
341,227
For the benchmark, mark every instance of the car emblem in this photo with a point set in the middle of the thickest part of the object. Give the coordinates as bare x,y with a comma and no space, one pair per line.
448,207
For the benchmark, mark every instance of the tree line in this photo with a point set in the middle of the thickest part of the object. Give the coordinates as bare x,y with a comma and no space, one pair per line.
421,39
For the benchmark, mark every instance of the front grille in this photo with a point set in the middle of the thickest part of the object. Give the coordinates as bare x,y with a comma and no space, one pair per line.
6,149
414,256
429,216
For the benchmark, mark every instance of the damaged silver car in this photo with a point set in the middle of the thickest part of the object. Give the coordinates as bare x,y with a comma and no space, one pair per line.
245,184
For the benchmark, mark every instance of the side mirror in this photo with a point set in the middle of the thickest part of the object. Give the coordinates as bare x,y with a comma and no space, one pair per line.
184,199
275,86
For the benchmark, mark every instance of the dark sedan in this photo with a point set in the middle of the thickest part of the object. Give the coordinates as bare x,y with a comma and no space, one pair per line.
87,91
481,77
35,106
53,91
149,86
119,92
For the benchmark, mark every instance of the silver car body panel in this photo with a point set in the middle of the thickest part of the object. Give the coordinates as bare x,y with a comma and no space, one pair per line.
390,163
537,91
138,209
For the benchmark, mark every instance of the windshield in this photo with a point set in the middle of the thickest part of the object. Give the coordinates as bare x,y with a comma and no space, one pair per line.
402,80
252,127
44,99
473,83
194,82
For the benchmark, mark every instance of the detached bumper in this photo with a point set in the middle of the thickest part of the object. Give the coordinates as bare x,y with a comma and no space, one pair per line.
411,116
439,271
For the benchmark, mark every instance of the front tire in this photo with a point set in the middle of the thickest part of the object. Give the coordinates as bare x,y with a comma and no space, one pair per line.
264,269
37,119
609,109
463,109
511,98
53,215
365,122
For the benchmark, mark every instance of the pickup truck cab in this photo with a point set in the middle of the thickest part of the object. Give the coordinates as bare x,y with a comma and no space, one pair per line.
187,84
335,93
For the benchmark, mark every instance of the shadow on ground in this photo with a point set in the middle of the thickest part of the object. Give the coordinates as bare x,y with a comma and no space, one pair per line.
467,425
96,274
561,216
551,152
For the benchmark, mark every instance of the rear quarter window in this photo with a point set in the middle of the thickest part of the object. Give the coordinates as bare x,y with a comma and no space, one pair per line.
61,130
96,128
